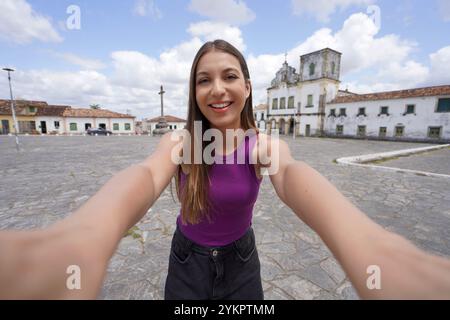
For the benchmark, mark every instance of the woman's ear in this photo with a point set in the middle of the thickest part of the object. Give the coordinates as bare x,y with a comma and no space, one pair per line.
248,88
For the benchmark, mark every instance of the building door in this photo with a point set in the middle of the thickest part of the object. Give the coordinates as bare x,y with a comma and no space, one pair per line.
43,127
102,125
291,126
282,124
307,130
5,126
87,126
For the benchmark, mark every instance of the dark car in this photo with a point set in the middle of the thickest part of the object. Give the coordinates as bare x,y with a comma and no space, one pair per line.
99,131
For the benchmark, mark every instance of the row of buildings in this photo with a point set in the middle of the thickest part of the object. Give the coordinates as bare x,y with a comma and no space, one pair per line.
38,117
310,103
307,103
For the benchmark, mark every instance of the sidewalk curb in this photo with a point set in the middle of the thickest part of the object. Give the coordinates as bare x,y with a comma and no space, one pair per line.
362,159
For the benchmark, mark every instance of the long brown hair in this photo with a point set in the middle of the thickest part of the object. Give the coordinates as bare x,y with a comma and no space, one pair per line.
194,196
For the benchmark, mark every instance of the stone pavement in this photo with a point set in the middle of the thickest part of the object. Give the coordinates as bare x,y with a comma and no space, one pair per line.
53,176
436,161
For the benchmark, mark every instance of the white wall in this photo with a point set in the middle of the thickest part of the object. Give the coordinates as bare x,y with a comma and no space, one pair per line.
282,92
260,120
122,122
50,124
95,123
150,126
300,93
415,125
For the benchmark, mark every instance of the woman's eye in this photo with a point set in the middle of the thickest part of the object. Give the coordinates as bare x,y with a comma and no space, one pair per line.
231,76
202,81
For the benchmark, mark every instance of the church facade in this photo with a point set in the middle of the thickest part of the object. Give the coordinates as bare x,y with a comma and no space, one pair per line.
310,103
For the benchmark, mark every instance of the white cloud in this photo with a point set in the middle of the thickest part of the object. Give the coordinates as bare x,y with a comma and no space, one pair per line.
19,23
322,9
234,12
84,63
209,31
440,66
133,84
444,9
363,57
135,77
147,8
134,80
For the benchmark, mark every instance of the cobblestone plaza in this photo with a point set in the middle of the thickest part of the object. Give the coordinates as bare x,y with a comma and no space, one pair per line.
54,175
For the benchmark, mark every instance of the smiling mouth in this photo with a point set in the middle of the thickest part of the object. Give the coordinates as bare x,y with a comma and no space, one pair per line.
220,106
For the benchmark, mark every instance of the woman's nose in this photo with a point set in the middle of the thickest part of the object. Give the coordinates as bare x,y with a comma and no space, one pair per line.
218,88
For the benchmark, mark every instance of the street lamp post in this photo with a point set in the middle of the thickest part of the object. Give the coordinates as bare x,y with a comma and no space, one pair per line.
16,127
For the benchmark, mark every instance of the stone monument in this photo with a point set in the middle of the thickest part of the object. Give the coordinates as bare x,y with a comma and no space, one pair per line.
162,126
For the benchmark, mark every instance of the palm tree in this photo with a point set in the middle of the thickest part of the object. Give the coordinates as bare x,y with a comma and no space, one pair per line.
95,106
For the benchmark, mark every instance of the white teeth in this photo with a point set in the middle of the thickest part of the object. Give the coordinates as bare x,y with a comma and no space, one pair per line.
221,105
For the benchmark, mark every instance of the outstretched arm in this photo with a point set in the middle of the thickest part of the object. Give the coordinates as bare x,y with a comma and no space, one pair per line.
355,240
33,264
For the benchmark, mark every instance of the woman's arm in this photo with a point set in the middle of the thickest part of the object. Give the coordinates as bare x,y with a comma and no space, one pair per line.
355,240
33,264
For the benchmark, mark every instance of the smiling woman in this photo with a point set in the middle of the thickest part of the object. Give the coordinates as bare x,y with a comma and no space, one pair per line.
213,251
221,87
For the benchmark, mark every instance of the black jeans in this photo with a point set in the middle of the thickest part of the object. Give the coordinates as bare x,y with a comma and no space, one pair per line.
201,273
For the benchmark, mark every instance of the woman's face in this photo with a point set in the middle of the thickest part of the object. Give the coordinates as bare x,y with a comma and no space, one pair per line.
221,90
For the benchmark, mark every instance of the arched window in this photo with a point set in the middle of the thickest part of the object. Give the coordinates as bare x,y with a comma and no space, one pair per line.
312,66
333,67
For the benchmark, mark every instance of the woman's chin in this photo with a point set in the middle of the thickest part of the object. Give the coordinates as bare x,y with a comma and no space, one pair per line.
224,123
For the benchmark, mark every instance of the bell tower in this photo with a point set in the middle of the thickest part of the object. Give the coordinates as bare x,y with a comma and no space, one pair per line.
325,63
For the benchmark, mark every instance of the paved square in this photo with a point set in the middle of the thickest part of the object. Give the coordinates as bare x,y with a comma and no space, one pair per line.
53,176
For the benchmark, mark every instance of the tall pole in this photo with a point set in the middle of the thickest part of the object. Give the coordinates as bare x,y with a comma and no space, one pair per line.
16,127
162,101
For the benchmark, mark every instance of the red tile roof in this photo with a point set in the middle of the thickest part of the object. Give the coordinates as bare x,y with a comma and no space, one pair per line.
94,113
20,107
389,95
169,118
44,109
52,110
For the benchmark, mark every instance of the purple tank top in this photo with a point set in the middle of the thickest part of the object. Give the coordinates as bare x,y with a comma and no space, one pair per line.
232,194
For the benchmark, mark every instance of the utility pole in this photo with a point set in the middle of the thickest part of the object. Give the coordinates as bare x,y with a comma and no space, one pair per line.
16,127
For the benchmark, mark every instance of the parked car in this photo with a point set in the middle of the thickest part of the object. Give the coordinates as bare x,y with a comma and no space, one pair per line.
99,131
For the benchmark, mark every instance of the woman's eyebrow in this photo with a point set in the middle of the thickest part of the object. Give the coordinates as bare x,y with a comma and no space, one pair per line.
230,69
200,73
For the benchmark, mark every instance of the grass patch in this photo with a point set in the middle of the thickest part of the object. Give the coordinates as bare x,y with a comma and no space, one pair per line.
135,233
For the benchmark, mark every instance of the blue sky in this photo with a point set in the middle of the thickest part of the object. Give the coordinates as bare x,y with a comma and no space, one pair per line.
124,50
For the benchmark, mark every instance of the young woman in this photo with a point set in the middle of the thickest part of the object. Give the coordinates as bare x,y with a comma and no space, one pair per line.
213,253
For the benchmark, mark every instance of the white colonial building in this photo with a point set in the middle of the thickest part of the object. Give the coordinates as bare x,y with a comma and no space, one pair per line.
173,123
38,117
311,100
260,115
50,119
78,121
414,114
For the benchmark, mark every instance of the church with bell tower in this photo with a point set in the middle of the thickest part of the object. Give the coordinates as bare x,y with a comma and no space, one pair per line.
296,101
309,103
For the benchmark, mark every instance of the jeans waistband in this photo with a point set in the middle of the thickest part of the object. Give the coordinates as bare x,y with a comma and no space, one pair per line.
189,244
